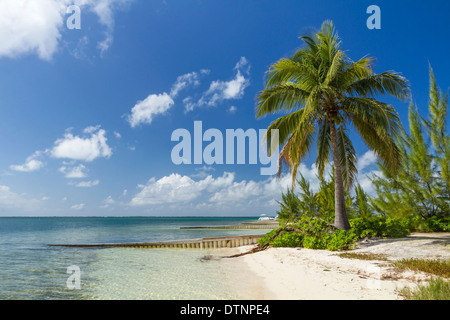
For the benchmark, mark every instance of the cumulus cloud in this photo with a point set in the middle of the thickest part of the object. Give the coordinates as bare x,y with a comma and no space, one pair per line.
30,26
176,188
76,172
202,190
144,111
31,164
87,148
35,27
155,104
169,189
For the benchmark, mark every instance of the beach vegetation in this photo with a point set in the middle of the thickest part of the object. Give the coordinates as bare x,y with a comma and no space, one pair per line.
421,188
435,289
363,256
435,267
317,233
414,200
324,94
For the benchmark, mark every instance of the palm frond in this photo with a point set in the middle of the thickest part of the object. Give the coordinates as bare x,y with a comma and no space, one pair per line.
347,157
384,146
285,96
388,82
323,146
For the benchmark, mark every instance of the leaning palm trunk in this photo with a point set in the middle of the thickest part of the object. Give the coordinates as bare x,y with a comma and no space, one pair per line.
340,217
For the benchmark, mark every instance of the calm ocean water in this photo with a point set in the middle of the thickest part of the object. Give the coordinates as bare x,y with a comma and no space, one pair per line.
30,269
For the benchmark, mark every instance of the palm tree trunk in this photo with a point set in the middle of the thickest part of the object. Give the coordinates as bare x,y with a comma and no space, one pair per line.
340,216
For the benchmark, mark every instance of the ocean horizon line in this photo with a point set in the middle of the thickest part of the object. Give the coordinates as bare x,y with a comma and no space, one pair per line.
256,216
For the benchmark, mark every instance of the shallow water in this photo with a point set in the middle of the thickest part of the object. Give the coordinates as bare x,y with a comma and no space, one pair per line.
29,269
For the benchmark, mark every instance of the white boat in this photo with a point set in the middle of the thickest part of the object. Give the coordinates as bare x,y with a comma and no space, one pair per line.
264,217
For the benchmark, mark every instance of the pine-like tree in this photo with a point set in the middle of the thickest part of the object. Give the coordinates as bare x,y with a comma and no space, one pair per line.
421,187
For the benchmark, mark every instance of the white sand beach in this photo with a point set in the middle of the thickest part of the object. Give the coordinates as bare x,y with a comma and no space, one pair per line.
299,274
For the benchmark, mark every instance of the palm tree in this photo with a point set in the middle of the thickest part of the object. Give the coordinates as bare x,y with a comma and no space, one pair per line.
323,93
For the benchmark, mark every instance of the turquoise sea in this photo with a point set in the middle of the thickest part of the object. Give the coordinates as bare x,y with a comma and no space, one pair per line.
30,269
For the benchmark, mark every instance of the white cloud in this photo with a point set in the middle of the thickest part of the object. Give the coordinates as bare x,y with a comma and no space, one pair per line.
232,110
220,191
28,26
189,105
223,90
202,190
170,189
35,27
243,65
12,200
144,111
108,202
28,166
78,207
186,80
86,184
31,164
237,192
82,148
105,11
368,159
202,172
76,172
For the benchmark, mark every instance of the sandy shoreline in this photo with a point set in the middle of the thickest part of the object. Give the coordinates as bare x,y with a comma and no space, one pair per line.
303,274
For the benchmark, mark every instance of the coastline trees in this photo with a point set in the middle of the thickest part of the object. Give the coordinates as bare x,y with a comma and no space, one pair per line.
422,186
324,93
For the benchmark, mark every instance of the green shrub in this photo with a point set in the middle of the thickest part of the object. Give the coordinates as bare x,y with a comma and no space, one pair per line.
311,233
267,236
288,239
312,242
380,227
316,233
395,228
436,224
341,240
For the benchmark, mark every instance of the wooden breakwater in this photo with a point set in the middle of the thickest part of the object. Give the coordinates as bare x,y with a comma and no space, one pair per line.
202,243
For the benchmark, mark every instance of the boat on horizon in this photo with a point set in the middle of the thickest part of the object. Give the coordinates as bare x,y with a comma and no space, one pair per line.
265,217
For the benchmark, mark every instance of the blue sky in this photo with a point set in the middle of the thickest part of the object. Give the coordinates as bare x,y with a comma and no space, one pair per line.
86,115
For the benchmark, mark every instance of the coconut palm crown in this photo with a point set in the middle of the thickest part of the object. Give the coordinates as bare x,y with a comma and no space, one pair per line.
323,94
